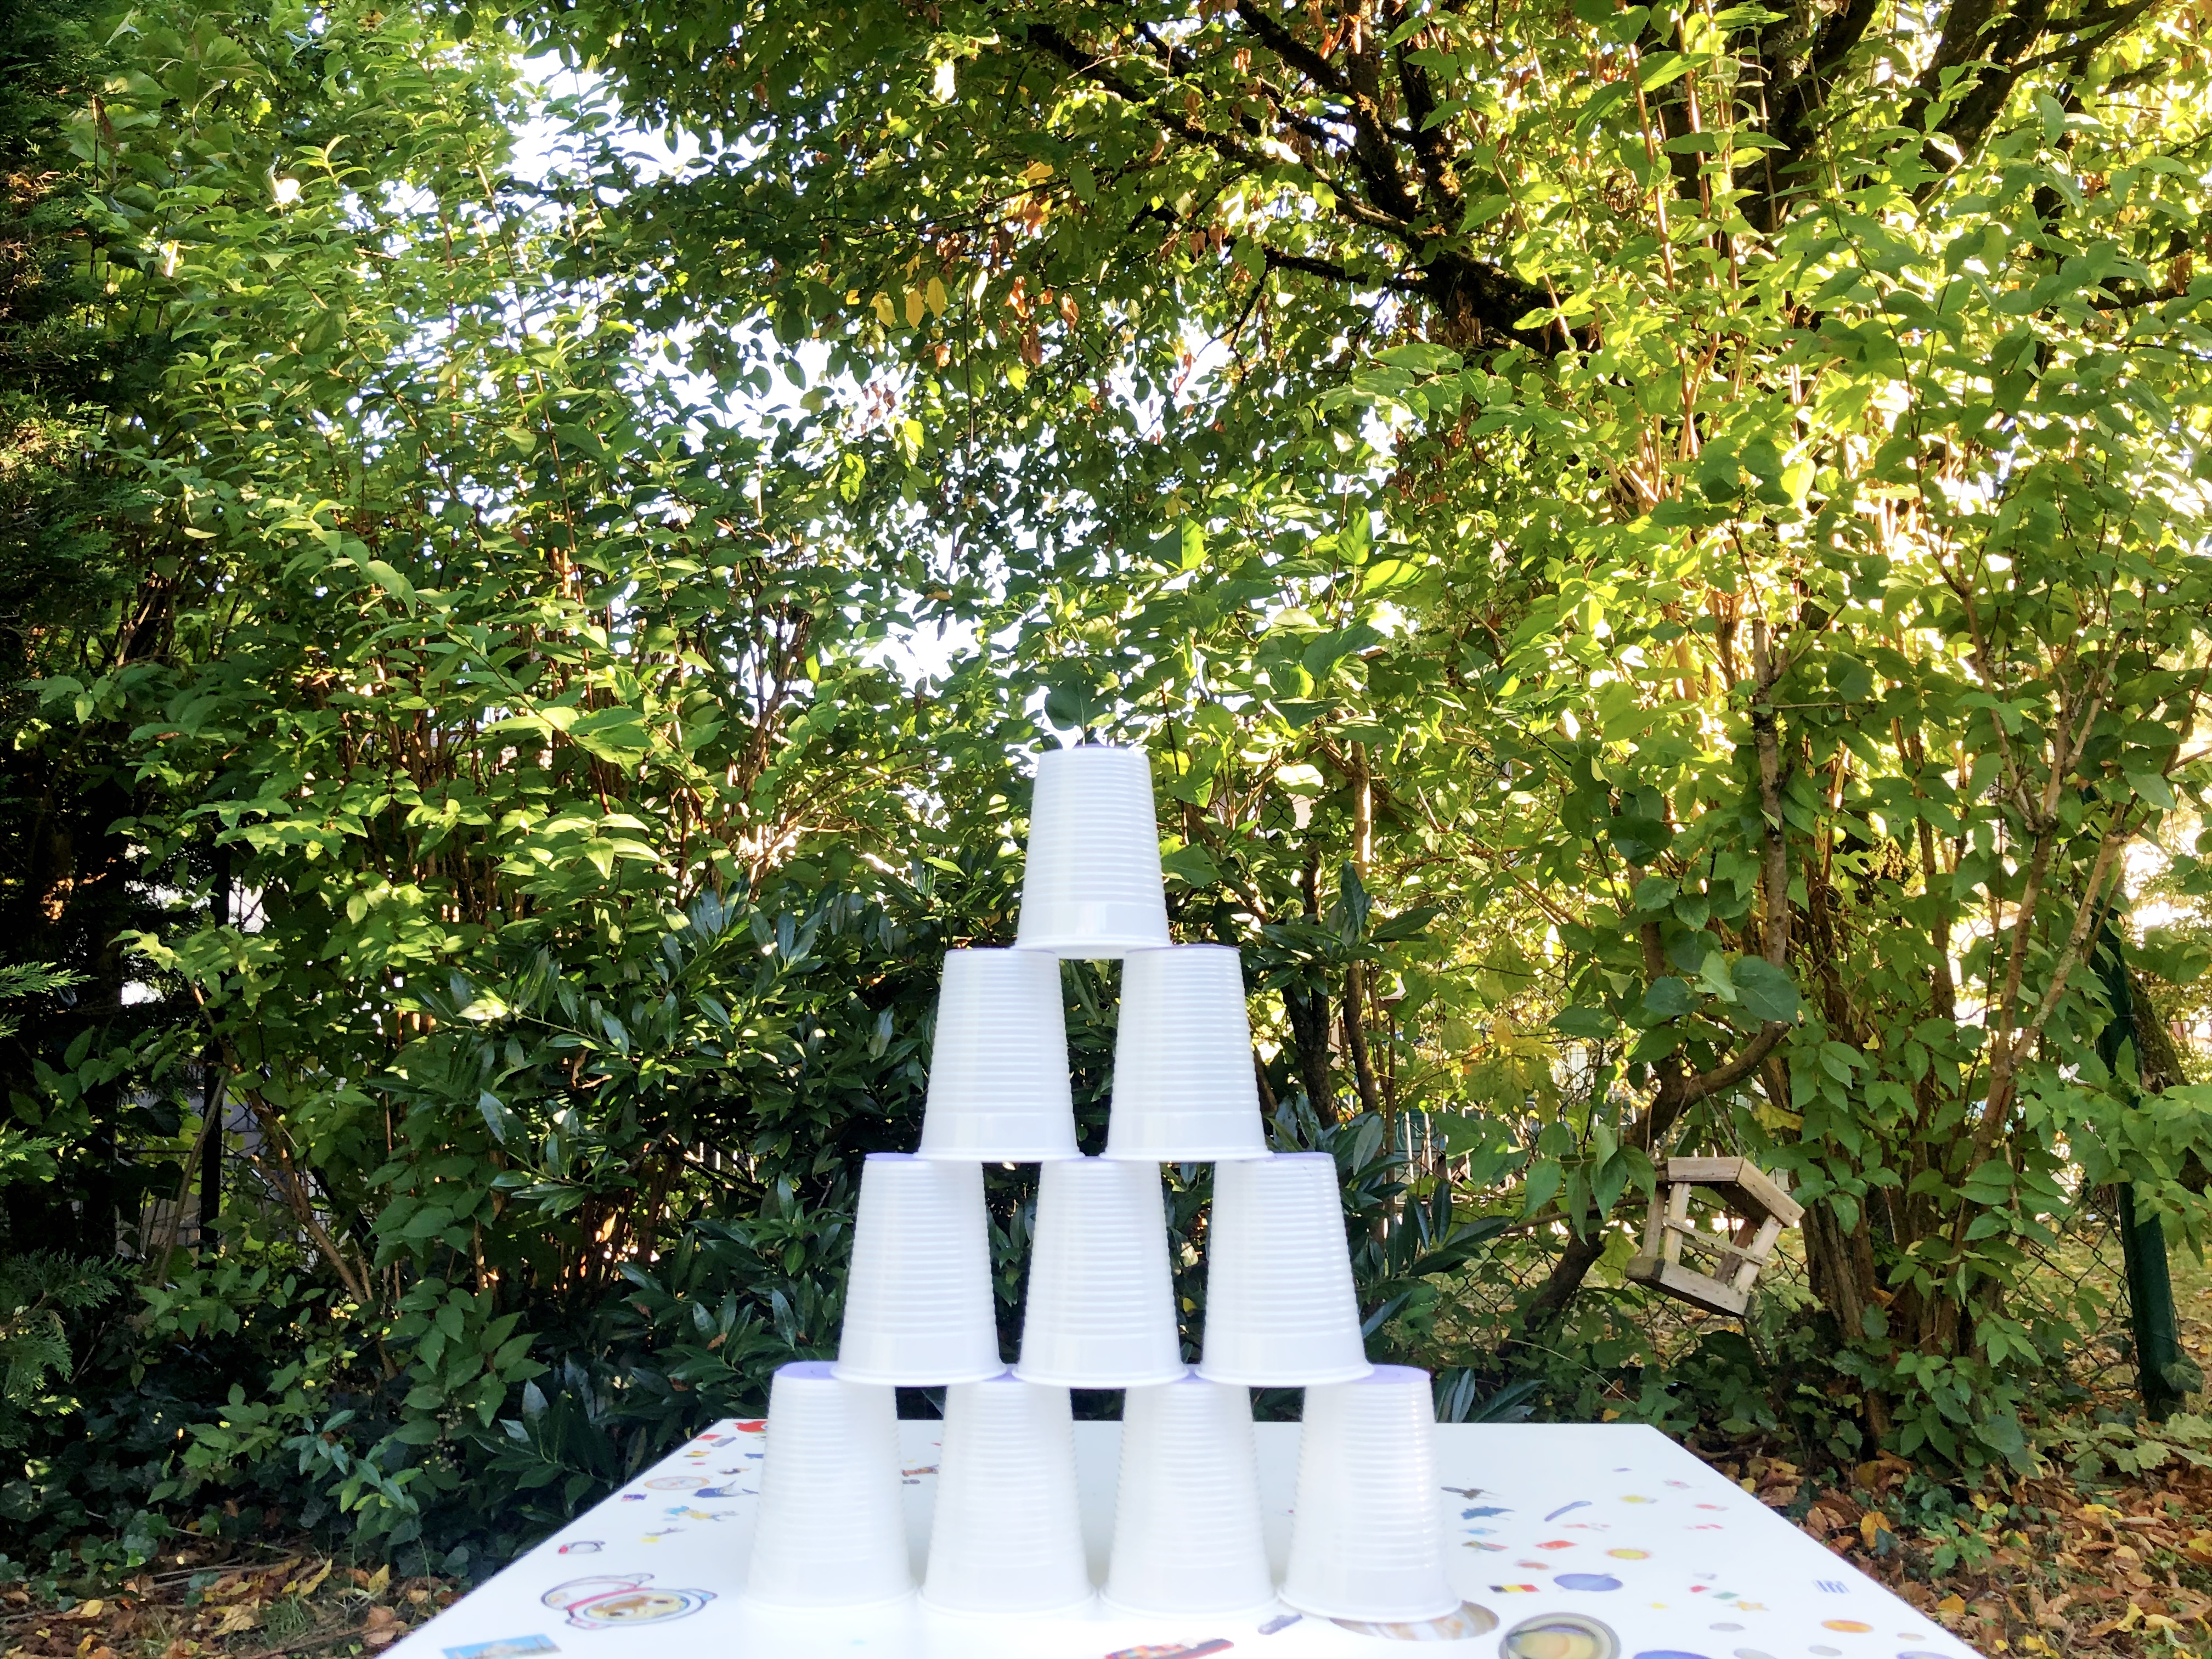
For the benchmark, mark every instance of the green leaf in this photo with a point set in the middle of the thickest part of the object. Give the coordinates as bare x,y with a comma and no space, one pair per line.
1763,991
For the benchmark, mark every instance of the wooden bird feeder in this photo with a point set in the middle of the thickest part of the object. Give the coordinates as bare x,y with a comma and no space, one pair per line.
1762,1210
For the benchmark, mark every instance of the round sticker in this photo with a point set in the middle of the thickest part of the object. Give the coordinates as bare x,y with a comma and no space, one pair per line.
1560,1636
1587,1581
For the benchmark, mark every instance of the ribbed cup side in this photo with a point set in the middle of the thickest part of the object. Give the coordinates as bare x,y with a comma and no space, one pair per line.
1188,1537
1091,884
1280,1306
998,1069
1100,1310
1367,1540
832,1528
1183,1083
918,1308
1008,1536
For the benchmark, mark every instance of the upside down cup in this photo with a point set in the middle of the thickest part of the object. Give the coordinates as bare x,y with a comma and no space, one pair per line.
1007,1539
998,1069
1367,1539
1280,1309
1187,1538
1100,1312
1184,1089
919,1312
1091,886
832,1527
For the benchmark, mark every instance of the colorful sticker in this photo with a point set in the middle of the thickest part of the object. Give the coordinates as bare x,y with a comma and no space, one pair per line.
1560,1636
1630,1555
507,1647
612,1602
1279,1622
1587,1581
1848,1626
1470,1621
1172,1650
581,1547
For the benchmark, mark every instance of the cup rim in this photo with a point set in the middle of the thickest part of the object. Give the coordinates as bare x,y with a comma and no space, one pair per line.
1204,1155
974,1155
845,1373
1369,1618
1250,1381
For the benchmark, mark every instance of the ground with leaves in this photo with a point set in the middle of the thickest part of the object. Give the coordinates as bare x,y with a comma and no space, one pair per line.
215,1598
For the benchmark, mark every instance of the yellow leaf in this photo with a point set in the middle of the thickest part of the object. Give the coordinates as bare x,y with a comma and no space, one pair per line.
883,304
852,296
913,309
1952,1604
1036,173
1870,1528
934,293
310,1584
378,1579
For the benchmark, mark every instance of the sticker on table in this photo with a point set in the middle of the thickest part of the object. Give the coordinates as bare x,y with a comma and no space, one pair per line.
1630,1555
581,1547
1587,1581
1471,1619
752,1425
732,1491
1173,1649
506,1647
675,1482
1848,1627
613,1602
1568,1509
1281,1621
1560,1636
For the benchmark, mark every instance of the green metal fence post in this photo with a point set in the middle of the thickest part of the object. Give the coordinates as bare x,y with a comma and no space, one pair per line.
2163,1374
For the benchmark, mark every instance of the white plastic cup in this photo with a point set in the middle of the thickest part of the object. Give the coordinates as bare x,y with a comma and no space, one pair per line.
1280,1309
1091,888
832,1526
998,1069
1100,1312
918,1307
1007,1538
1184,1090
1367,1536
1187,1538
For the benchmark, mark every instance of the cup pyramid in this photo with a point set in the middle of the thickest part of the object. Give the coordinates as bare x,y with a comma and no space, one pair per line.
1281,1310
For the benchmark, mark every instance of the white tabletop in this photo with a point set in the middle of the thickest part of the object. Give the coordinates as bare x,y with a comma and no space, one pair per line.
1607,1523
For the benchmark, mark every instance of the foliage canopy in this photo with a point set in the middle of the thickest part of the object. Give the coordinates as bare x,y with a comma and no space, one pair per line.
1659,553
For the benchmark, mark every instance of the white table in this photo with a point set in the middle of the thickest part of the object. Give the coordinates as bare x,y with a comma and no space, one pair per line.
1555,1523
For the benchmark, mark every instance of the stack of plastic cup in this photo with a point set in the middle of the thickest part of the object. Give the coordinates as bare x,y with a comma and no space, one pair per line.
1280,1309
998,1071
1187,1530
1184,1090
1367,1537
1007,1540
832,1527
1091,888
1100,1312
918,1309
